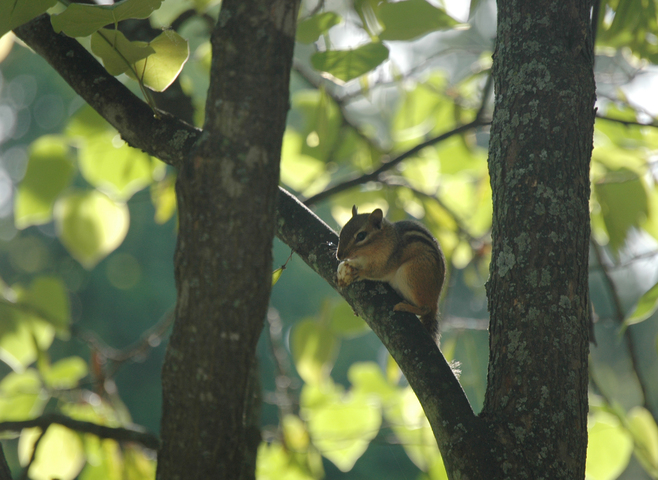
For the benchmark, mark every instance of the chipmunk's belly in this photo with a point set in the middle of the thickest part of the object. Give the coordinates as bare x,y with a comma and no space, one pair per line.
400,284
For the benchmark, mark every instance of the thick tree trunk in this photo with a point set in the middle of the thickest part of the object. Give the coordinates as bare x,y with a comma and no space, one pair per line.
540,148
227,201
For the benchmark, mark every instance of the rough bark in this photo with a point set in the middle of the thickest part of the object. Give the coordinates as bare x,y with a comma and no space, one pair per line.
539,153
226,194
534,421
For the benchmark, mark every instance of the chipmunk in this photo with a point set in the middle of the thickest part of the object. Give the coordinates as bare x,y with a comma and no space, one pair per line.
403,254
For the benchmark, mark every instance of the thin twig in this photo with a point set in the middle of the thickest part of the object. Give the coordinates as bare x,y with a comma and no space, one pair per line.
619,317
478,121
120,434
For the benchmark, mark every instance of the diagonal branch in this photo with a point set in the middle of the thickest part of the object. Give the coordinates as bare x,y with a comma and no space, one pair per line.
119,434
165,137
374,175
478,121
447,408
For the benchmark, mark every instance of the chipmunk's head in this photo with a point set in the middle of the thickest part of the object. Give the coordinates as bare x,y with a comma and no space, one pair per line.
359,232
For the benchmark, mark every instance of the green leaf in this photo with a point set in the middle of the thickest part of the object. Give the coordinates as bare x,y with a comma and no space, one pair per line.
341,426
47,298
645,435
22,333
609,447
117,52
163,196
349,64
59,455
300,172
345,323
49,171
645,307
66,373
21,396
412,19
310,29
137,465
113,167
90,225
412,428
159,70
276,275
80,20
17,12
367,379
314,349
624,204
103,460
276,462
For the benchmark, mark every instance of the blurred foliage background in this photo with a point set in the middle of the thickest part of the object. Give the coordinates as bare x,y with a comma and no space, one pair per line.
390,106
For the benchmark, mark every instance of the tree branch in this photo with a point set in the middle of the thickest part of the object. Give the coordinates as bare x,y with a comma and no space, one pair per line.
442,397
374,175
478,121
164,136
147,439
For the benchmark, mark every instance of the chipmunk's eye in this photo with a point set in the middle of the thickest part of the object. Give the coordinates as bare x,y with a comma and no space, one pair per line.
361,236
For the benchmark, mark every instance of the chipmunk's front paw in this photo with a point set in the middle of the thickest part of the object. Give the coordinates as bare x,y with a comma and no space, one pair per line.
346,274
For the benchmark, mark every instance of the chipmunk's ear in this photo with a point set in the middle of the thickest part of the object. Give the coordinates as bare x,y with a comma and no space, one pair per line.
375,218
354,211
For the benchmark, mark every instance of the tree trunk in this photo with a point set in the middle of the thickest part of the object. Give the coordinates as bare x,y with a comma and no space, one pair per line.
539,153
227,201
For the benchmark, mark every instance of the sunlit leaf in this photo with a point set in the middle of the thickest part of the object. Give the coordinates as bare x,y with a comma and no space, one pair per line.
367,378
104,460
624,204
412,428
48,299
299,171
59,455
137,465
163,196
411,19
117,52
90,225
66,373
295,433
110,165
645,307
314,349
345,323
341,427
20,396
276,275
49,171
609,447
160,69
310,29
17,12
80,20
645,435
22,333
349,64
275,462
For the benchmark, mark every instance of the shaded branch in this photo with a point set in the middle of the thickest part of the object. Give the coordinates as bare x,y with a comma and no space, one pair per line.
628,123
619,317
448,410
164,136
120,434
